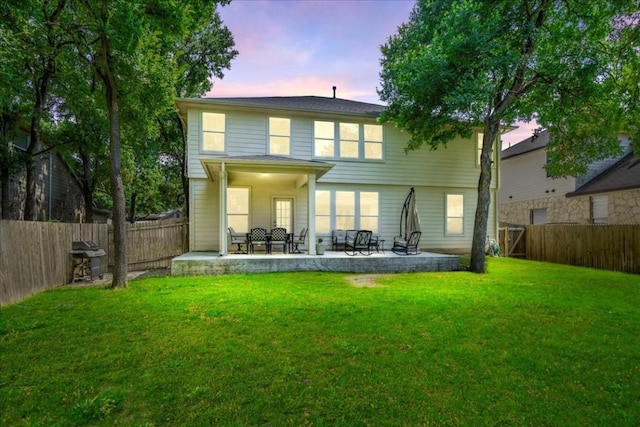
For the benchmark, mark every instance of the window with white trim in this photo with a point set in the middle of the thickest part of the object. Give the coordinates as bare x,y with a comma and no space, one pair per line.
238,209
347,140
346,210
373,142
324,139
323,212
213,130
454,214
479,142
279,136
369,210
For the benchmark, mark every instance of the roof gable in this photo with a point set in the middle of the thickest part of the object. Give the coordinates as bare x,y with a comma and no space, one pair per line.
622,175
535,142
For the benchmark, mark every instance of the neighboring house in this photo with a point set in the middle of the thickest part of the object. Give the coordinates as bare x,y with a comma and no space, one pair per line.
321,163
608,193
58,196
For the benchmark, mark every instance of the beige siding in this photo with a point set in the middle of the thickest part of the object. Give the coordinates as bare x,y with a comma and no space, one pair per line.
524,178
433,173
431,207
203,228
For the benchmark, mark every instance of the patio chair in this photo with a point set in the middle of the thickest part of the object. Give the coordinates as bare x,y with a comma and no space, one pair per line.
279,236
299,241
236,239
358,243
374,243
338,238
407,247
258,237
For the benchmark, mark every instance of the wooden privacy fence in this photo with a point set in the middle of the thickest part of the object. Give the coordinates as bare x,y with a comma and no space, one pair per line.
611,247
34,256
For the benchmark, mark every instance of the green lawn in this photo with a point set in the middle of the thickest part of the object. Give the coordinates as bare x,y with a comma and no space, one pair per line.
527,344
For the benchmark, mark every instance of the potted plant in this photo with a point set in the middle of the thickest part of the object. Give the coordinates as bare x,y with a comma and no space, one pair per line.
319,246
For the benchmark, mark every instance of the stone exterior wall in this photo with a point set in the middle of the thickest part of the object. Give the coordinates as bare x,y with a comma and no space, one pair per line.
624,208
560,209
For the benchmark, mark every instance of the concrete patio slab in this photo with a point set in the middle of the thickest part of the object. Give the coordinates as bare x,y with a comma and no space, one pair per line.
208,263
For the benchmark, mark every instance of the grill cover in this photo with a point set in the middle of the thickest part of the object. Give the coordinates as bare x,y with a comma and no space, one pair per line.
84,245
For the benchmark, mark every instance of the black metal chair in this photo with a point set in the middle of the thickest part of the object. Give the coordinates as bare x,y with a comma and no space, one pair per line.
359,243
279,236
258,237
299,241
236,239
338,238
408,246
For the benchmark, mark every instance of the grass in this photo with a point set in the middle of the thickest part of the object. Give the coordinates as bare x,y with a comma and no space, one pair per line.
527,344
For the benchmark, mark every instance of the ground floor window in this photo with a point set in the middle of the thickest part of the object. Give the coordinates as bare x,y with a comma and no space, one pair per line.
455,214
346,210
538,216
238,209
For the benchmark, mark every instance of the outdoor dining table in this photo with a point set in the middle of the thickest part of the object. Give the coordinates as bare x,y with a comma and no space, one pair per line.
287,245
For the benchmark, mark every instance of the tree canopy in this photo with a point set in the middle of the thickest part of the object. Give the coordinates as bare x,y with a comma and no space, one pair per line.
456,66
98,79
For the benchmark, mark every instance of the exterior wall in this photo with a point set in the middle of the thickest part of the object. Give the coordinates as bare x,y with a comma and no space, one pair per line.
624,207
57,195
525,186
524,178
560,209
246,135
433,174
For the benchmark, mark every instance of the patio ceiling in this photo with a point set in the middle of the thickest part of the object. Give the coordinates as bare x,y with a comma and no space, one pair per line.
271,168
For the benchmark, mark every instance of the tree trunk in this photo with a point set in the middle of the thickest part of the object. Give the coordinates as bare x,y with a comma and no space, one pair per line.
87,186
30,210
132,207
4,190
115,175
478,254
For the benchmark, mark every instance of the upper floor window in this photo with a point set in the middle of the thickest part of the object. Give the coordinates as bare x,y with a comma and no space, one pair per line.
347,140
479,143
324,137
372,142
279,136
213,128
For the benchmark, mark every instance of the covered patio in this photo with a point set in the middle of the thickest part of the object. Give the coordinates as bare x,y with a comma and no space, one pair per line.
212,263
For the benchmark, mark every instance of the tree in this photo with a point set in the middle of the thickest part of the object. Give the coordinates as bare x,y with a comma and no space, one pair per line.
128,45
459,65
37,39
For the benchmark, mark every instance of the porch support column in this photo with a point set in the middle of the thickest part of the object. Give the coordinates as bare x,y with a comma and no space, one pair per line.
311,215
223,210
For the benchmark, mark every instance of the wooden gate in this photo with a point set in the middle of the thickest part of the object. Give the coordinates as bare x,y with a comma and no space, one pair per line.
512,242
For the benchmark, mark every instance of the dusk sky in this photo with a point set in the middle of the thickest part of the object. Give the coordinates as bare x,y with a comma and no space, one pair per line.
304,47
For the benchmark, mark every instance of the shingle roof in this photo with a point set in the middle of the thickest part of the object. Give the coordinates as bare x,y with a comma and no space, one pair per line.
304,103
623,175
530,144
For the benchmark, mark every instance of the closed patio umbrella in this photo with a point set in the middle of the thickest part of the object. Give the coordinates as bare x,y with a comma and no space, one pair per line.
409,218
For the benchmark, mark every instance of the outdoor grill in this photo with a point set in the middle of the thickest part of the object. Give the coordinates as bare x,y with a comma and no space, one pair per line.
86,260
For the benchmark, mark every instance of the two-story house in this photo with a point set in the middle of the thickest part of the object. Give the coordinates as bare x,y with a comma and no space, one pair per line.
325,164
608,193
